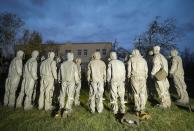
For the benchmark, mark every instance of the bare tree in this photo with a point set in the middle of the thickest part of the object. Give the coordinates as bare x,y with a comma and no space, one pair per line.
50,42
10,25
121,52
30,40
163,33
30,37
25,37
115,45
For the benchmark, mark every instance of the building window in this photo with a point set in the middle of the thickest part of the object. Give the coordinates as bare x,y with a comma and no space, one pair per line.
98,50
57,51
103,51
67,51
79,52
85,52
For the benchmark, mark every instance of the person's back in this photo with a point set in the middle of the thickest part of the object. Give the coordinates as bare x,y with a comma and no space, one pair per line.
28,71
45,68
177,73
13,67
160,59
97,70
162,86
12,82
118,70
137,73
96,78
68,71
138,66
116,79
48,73
179,70
68,77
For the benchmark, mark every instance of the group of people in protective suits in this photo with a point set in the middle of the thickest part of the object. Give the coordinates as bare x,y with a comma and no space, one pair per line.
115,73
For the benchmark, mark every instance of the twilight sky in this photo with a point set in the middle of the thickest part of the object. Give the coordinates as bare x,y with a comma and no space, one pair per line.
101,20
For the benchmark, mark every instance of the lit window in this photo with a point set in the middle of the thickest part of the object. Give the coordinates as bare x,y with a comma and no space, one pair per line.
103,51
79,52
85,52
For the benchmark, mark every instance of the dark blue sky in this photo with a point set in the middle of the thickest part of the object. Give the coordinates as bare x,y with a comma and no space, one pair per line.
101,20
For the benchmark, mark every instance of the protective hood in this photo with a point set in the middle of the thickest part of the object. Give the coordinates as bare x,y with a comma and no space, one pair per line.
35,54
78,61
156,49
174,53
20,54
70,56
97,56
113,55
136,52
51,55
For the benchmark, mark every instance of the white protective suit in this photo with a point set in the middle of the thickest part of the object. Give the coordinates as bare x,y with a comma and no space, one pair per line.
48,73
12,82
28,82
177,73
68,77
162,87
78,85
116,77
96,78
138,73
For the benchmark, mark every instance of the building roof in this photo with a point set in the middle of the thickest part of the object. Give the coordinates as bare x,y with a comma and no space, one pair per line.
78,43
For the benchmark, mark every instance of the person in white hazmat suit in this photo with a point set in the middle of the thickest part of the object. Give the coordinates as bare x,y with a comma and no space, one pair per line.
137,74
116,78
162,86
28,82
48,73
12,82
177,73
78,85
68,77
96,76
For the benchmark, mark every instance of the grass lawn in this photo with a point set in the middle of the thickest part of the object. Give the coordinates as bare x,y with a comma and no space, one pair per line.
174,119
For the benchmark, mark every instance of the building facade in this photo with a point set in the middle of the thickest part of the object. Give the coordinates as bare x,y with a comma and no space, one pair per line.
81,50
